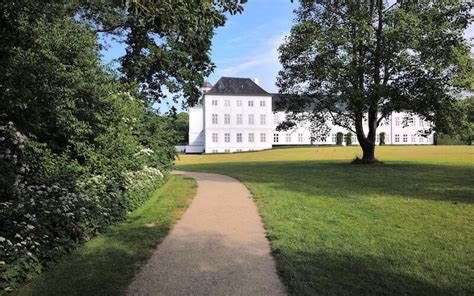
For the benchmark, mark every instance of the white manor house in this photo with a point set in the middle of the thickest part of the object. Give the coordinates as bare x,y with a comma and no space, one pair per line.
237,115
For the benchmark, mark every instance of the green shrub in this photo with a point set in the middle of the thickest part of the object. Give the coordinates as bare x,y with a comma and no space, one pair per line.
349,139
77,150
382,138
339,138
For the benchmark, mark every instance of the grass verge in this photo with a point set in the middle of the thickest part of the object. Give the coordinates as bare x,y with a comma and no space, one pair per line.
107,264
405,227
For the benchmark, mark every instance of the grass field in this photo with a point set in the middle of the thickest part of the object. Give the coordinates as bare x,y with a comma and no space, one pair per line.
106,264
404,227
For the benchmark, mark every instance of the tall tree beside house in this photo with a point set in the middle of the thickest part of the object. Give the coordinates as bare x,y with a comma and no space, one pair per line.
80,146
355,62
181,126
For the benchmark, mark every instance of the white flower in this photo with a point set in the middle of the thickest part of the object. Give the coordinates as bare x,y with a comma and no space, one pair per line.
2,239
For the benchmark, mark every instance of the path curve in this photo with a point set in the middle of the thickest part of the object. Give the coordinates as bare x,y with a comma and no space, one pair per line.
217,248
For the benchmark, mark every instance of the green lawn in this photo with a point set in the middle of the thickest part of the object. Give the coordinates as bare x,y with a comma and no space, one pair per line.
106,264
404,227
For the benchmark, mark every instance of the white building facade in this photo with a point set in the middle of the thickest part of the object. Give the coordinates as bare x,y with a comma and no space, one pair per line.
237,115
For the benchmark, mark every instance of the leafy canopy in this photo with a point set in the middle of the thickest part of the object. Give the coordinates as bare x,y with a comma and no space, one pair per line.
354,62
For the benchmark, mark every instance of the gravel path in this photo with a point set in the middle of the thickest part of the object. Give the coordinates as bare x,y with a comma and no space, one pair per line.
217,248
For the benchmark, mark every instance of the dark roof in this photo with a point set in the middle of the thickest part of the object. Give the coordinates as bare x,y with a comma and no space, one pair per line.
237,86
207,84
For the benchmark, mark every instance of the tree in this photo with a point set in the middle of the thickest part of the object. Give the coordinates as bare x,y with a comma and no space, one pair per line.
382,138
168,41
180,124
355,62
339,138
348,137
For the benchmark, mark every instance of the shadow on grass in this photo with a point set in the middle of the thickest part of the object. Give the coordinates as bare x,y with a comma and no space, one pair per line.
346,274
341,179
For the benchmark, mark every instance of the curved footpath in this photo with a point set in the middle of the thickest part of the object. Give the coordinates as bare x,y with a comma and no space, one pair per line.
217,248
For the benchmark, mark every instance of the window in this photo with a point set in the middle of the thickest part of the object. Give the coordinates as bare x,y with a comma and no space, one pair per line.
227,150
238,150
397,121
263,137
421,139
397,138
214,151
333,138
276,119
405,138
226,118
288,138
239,137
412,122
227,137
214,118
377,139
239,118
227,103
239,103
300,138
214,102
251,138
262,103
275,138
263,119
354,139
250,103
215,137
251,119
413,138
421,122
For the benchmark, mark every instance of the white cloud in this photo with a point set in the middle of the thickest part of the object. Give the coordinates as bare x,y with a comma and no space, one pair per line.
267,55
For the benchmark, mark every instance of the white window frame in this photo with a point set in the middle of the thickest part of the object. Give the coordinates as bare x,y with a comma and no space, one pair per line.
215,119
276,138
239,103
288,137
300,138
251,119
262,103
250,103
227,137
276,119
413,138
214,103
397,138
227,103
215,137
263,137
238,137
405,138
263,119
397,121
251,137
239,119
226,118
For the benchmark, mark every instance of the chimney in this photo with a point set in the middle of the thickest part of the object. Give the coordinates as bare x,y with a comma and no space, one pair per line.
256,81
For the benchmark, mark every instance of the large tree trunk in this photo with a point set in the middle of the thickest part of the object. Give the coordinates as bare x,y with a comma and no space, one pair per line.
368,152
367,143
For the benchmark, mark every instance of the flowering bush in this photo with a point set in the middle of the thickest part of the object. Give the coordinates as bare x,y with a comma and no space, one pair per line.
45,222
50,203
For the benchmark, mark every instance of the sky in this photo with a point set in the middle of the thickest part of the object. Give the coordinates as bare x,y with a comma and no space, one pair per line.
247,45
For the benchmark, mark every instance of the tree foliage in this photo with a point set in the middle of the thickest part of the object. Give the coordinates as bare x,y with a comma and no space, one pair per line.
355,62
80,145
